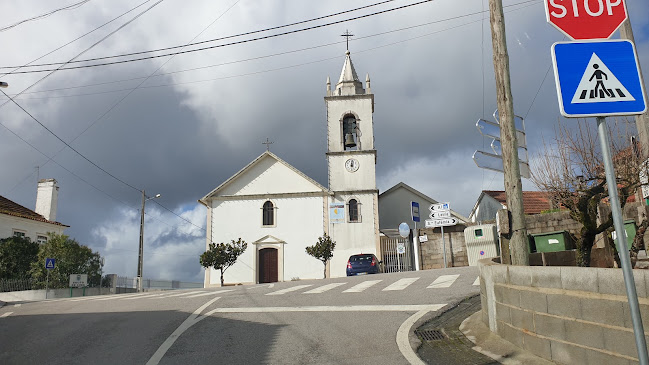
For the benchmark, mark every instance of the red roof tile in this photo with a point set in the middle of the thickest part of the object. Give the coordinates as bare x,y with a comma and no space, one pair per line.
14,209
534,202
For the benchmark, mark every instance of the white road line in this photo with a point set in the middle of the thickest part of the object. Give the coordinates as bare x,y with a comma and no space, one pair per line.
404,343
288,290
122,296
443,281
17,305
344,308
323,288
401,284
6,314
209,293
362,286
142,296
177,294
477,281
190,321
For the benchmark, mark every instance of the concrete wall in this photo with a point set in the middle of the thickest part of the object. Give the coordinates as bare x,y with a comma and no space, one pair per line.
32,295
432,251
569,315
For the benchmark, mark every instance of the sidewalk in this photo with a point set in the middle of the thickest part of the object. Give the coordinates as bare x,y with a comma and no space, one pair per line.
458,337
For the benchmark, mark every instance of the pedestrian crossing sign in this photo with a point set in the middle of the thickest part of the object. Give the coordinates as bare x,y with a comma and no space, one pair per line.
598,78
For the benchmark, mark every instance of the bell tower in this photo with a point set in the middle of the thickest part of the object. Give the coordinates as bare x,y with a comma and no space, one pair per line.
351,161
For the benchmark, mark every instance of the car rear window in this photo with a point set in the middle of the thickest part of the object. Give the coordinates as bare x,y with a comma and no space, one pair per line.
360,258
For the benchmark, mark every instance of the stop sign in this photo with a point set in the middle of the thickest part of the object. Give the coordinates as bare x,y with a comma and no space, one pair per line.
586,19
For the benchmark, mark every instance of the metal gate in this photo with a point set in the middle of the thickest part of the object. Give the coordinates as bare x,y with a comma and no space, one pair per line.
393,261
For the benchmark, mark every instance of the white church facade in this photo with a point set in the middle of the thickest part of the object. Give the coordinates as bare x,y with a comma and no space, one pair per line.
293,210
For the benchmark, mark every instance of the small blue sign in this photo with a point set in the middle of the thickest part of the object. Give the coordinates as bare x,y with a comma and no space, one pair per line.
50,263
414,210
597,78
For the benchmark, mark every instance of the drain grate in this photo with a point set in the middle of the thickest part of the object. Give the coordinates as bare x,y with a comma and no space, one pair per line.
431,335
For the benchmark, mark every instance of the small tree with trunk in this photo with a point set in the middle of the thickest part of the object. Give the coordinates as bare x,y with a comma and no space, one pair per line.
221,256
571,171
323,250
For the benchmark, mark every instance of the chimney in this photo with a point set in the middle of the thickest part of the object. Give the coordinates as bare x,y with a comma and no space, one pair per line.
47,198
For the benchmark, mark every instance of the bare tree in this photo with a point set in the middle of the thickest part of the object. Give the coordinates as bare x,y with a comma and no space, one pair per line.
570,170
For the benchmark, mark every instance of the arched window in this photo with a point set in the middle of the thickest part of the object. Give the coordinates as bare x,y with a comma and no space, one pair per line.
350,135
353,210
268,215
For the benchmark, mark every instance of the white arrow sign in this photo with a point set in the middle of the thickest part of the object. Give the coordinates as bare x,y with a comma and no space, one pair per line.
432,223
440,214
439,207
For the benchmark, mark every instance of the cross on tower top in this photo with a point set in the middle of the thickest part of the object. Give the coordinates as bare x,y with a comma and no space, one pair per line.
267,143
347,35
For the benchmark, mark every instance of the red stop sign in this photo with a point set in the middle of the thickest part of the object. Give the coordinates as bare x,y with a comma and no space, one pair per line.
586,19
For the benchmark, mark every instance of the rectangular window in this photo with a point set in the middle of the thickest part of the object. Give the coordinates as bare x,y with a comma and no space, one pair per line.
41,239
19,234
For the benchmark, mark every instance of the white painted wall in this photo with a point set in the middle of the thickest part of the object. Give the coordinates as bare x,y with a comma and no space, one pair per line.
298,223
338,107
47,199
32,228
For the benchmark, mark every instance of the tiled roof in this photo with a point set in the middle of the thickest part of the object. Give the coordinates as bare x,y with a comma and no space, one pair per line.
14,209
534,202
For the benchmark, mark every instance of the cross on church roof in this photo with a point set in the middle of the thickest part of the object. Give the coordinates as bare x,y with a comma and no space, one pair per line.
347,35
267,143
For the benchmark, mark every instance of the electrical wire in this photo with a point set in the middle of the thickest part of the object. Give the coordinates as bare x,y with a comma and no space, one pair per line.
69,7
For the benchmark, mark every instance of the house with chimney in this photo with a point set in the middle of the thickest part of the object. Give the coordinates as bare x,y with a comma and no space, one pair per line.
17,220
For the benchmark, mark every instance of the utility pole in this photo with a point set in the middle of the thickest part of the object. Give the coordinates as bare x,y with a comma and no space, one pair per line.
509,145
139,261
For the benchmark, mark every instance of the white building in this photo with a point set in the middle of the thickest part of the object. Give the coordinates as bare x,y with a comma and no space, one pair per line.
293,210
16,220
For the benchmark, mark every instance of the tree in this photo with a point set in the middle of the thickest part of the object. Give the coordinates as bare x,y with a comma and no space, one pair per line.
323,250
221,256
16,257
571,171
71,258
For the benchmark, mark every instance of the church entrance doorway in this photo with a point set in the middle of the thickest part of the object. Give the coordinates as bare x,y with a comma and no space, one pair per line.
268,265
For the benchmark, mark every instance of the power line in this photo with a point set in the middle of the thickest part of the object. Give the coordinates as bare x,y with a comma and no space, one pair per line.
214,39
231,43
69,7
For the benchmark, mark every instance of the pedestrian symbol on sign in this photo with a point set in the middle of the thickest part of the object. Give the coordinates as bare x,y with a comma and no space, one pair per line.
592,88
50,263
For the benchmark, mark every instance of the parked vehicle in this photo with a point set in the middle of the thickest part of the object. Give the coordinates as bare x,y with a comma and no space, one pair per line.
363,264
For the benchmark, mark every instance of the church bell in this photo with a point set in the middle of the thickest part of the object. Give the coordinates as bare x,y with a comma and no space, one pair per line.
349,140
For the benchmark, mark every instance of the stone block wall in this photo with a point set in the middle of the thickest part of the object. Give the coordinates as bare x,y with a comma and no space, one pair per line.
432,251
568,315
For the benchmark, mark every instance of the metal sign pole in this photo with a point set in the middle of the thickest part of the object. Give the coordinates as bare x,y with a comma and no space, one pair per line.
444,246
622,248
47,283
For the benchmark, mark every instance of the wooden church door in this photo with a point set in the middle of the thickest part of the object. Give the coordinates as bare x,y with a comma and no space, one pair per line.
268,265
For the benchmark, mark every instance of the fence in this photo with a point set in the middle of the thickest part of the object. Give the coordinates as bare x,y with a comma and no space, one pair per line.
393,261
131,283
7,285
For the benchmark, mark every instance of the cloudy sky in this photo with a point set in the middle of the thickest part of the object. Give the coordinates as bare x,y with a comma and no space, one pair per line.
180,125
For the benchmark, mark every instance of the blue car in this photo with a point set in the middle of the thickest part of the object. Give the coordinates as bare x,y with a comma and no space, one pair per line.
363,264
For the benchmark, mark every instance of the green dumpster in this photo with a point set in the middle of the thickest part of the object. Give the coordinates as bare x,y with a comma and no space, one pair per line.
553,241
630,228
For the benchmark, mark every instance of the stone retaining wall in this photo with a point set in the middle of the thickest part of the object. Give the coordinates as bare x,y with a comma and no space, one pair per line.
432,251
569,315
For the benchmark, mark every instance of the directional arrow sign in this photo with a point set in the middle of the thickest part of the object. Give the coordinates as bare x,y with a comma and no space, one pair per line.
439,207
432,223
440,214
493,162
518,121
491,129
497,148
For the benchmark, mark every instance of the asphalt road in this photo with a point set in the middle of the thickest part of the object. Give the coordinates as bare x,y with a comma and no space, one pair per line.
357,320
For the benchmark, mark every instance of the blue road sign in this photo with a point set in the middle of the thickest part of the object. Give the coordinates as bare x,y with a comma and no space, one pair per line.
414,210
50,263
597,78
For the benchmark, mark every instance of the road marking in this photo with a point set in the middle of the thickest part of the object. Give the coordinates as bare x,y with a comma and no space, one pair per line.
401,284
209,293
122,296
344,308
443,281
404,343
288,290
6,314
271,285
323,288
362,286
190,321
477,281
178,294
142,296
17,305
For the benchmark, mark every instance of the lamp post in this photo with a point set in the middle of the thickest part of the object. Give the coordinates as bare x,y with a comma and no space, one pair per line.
139,262
3,84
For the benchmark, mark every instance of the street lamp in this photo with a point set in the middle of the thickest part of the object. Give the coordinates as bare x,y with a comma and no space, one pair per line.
139,262
3,84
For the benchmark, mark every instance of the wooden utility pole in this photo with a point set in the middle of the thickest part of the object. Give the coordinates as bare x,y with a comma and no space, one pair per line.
513,188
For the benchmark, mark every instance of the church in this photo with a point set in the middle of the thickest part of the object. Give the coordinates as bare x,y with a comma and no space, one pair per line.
288,210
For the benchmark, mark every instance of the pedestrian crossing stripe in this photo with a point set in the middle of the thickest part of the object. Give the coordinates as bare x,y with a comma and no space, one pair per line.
598,84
